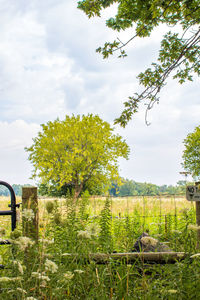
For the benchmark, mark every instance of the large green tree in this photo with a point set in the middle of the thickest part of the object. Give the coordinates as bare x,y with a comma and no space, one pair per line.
179,54
191,153
78,152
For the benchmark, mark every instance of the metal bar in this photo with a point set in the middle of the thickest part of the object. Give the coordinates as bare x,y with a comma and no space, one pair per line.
13,204
5,242
6,212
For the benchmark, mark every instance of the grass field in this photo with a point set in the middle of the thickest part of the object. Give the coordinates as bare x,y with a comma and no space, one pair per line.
147,208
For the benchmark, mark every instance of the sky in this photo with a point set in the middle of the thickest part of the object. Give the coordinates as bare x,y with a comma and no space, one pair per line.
49,69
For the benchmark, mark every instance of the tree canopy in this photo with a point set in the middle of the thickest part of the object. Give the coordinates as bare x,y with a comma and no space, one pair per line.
77,152
191,153
179,54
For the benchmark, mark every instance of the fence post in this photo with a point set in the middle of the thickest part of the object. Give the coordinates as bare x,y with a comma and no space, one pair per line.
30,201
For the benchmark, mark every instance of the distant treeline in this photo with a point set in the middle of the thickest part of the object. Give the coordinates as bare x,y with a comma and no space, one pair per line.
16,187
127,188
133,188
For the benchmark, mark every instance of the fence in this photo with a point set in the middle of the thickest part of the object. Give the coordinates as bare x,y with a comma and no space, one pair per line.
159,213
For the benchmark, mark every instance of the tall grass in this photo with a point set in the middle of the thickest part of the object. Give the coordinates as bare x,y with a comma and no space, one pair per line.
47,270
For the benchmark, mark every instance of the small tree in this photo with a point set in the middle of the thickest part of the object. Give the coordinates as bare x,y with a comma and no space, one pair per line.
79,151
191,154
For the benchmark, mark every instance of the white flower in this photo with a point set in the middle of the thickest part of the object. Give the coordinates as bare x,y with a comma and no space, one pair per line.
147,240
50,266
78,271
21,290
23,242
43,284
46,241
31,298
6,279
40,276
193,227
19,266
68,275
195,255
84,234
28,214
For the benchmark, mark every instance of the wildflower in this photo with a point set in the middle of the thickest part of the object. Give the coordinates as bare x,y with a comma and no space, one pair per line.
43,284
172,291
195,255
78,271
28,214
11,291
84,234
19,266
147,240
68,275
40,276
50,266
46,241
7,279
23,242
193,227
21,290
31,298
93,229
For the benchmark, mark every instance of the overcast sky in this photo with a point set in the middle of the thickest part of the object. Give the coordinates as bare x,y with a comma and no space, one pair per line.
49,68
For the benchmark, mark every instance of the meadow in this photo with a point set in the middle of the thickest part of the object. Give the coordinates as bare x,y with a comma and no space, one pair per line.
46,270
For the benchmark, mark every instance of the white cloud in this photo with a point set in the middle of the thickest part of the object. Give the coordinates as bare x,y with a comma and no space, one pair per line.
15,136
49,68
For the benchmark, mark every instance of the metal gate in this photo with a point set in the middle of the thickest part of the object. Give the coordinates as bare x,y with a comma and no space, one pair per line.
12,212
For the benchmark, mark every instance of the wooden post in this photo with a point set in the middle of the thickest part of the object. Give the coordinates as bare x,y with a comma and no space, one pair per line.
30,202
130,258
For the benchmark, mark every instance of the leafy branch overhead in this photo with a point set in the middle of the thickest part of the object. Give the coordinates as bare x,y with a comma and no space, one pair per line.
179,54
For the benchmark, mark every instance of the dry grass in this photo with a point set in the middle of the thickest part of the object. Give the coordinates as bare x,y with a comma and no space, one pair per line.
145,206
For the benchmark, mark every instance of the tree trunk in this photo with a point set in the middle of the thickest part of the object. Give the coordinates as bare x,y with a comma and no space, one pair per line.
77,191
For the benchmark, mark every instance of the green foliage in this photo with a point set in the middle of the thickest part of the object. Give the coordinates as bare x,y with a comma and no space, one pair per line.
105,236
79,153
179,51
191,153
48,271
